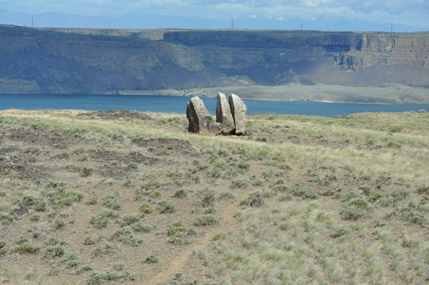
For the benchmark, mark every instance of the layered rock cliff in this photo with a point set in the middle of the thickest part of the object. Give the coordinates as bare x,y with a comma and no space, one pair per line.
66,61
353,51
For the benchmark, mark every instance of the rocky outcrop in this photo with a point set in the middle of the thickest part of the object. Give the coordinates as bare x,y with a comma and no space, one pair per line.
238,109
199,118
230,116
224,115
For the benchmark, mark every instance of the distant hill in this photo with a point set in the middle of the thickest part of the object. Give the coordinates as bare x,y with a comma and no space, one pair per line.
110,60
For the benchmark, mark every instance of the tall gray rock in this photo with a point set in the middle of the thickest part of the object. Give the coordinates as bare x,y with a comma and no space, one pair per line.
224,115
238,109
199,118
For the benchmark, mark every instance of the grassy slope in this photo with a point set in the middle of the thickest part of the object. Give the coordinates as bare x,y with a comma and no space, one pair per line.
89,199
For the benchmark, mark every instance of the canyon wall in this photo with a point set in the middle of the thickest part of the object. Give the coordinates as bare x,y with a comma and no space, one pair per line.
105,61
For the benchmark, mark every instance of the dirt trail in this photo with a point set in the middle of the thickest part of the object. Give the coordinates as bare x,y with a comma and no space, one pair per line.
178,264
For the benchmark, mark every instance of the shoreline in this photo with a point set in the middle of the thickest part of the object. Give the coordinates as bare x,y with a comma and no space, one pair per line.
242,97
321,93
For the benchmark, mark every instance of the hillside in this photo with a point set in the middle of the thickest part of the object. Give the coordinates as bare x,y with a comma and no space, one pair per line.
113,197
117,61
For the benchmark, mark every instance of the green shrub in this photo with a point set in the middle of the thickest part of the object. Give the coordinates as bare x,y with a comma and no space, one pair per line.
151,185
423,189
90,241
177,239
281,187
250,198
285,226
350,195
78,151
165,207
355,208
118,266
29,201
110,201
340,231
208,198
72,263
35,218
3,249
51,184
32,150
25,248
129,219
133,165
155,194
86,171
103,249
126,236
180,194
219,236
396,129
100,220
416,218
146,208
6,219
150,259
92,201
176,232
62,197
176,227
243,165
226,195
373,196
239,183
205,220
95,278
304,193
214,173
286,197
113,275
141,227
255,181
58,224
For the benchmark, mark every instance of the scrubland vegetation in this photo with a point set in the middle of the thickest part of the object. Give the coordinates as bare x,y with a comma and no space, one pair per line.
132,198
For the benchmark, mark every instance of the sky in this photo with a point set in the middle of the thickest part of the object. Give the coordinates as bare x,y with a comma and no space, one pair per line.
408,12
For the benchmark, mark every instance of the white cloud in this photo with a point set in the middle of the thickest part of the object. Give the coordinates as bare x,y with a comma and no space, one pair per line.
408,12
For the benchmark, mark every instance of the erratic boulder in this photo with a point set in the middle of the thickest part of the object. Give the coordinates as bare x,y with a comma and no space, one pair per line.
224,115
199,118
238,109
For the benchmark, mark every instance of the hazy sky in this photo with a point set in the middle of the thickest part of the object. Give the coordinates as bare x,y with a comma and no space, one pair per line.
410,12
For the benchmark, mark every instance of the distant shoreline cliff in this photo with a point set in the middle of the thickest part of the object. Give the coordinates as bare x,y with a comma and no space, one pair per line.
109,61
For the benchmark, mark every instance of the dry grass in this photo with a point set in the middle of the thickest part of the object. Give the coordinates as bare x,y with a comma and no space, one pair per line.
303,200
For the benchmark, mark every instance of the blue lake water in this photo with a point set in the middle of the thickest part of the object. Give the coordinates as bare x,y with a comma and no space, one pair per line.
175,104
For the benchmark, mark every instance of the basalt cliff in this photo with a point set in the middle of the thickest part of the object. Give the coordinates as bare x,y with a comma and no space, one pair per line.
106,61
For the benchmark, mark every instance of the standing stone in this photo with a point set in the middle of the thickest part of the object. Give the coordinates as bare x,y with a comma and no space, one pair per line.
238,109
199,118
224,115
